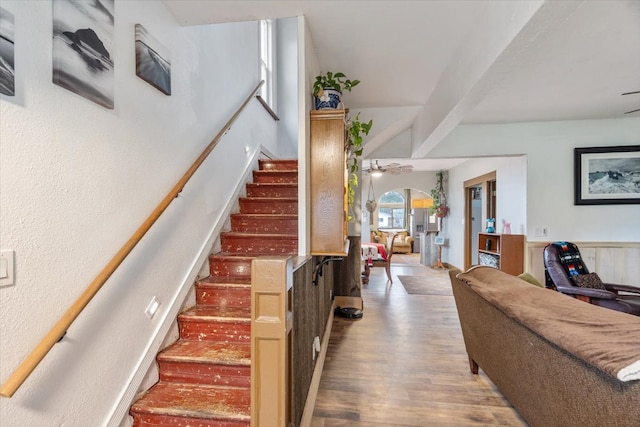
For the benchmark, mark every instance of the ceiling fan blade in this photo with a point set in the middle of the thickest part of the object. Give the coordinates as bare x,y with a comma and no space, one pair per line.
631,93
632,111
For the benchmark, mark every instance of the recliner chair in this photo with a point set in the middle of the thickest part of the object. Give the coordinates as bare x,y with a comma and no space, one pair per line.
562,263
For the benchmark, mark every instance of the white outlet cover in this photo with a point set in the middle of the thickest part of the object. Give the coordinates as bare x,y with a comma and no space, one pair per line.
152,308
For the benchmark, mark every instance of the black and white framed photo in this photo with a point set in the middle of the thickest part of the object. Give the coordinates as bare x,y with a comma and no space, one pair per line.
607,175
7,54
152,61
83,48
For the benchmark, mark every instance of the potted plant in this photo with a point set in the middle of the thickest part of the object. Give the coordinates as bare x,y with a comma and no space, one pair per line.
440,207
353,147
328,89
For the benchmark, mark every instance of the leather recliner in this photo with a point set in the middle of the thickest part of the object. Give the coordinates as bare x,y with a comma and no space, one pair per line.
562,260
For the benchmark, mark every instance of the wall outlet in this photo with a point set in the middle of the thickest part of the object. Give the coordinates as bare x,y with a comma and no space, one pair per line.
316,347
152,308
542,231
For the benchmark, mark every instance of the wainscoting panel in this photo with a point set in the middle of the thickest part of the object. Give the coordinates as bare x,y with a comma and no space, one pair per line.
614,262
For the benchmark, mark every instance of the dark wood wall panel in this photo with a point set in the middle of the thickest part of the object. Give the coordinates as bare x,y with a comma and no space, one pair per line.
312,308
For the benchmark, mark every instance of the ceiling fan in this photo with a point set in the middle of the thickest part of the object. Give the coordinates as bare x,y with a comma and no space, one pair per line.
392,168
630,93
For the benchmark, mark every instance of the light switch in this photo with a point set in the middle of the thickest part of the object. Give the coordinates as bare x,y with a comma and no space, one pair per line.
6,268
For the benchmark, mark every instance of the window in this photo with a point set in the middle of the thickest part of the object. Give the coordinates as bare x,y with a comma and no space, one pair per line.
391,210
267,61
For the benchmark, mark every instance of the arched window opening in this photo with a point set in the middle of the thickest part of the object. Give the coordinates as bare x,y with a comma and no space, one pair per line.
391,210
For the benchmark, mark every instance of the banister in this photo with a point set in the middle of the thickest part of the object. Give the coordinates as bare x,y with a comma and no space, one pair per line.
58,330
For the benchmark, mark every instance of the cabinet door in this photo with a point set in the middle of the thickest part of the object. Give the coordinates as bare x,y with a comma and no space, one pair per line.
328,183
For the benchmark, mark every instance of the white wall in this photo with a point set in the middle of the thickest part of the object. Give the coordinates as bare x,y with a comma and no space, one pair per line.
308,69
511,202
287,86
77,180
549,148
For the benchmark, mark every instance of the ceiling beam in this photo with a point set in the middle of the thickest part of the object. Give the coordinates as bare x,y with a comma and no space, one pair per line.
490,53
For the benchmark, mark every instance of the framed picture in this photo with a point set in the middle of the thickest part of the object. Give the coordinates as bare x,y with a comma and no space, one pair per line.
7,75
607,175
83,33
152,61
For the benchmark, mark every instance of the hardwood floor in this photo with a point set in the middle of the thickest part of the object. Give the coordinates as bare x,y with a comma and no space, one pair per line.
404,362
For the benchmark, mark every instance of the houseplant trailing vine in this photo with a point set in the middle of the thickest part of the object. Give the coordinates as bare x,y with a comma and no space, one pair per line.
353,147
439,197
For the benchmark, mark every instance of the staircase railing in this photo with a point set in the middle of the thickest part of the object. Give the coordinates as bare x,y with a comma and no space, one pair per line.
59,329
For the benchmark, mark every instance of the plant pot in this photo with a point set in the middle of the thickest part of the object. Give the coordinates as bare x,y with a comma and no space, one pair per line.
442,211
330,99
371,205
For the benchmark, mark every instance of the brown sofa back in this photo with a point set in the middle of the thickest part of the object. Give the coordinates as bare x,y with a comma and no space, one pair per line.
548,385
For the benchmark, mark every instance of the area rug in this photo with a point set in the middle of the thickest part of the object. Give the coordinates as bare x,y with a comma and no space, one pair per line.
425,285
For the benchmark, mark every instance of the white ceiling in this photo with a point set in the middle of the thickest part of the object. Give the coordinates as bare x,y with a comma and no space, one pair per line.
427,66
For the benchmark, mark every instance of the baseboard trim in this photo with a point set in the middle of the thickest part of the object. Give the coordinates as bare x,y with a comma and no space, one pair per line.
310,404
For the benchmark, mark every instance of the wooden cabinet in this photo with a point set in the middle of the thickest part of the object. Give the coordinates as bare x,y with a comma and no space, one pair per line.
502,251
328,184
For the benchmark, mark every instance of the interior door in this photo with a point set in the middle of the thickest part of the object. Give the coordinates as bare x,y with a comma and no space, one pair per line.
480,196
476,220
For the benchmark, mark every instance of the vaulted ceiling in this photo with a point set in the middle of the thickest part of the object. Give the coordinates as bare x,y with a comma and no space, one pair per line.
428,66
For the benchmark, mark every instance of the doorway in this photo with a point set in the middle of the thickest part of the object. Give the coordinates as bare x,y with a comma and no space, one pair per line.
480,204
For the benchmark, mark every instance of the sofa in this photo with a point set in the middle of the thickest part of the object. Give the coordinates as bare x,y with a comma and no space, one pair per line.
402,245
557,360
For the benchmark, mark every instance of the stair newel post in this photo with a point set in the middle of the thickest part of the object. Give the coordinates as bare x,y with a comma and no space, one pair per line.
271,324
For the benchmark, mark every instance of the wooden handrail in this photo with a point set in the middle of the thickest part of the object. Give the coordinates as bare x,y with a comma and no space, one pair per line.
59,329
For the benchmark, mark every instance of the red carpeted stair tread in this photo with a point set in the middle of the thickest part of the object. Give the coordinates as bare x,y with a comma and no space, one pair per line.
224,281
265,223
200,401
215,291
272,189
190,351
279,164
219,314
275,176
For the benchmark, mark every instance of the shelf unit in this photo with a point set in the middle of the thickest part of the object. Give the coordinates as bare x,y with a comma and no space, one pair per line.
502,251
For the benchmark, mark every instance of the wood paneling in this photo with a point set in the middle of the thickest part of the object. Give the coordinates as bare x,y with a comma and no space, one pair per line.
312,308
614,262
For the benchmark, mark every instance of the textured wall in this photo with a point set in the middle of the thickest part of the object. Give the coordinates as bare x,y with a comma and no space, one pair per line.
76,180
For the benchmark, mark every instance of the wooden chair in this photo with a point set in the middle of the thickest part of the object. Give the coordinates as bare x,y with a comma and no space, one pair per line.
383,263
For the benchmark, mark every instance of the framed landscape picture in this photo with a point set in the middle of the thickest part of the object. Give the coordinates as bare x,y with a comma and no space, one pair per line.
7,73
607,175
83,48
152,61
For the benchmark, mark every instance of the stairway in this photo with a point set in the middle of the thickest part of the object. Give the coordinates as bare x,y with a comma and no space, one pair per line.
205,376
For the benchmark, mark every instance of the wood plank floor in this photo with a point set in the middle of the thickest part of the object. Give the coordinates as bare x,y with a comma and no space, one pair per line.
404,363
